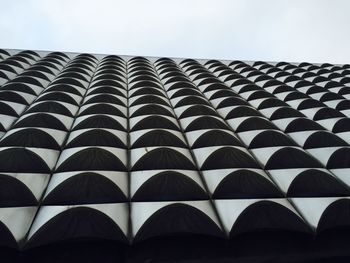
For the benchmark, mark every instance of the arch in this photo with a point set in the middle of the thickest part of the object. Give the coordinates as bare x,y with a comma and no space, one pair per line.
169,186
155,121
242,111
232,101
177,219
109,76
250,87
206,122
163,158
146,83
30,137
158,138
295,95
145,99
190,100
222,93
173,75
21,87
316,183
142,77
12,96
91,159
255,123
310,103
244,183
96,137
107,82
85,188
215,138
196,110
68,81
285,112
327,113
180,77
339,159
42,120
289,157
282,88
270,138
215,86
106,89
41,68
229,157
58,96
147,91
76,224
268,216
29,80
106,98
259,94
330,96
13,61
64,88
178,85
15,193
303,124
73,74
271,102
149,109
21,160
314,90
208,81
102,108
49,107
99,121
185,92
323,139
49,63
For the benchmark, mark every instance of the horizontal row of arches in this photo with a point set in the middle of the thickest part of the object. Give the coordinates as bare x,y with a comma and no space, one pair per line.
160,219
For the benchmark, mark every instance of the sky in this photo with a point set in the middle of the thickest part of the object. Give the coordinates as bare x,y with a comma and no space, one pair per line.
270,30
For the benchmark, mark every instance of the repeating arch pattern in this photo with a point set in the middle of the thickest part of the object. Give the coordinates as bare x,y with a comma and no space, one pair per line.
136,149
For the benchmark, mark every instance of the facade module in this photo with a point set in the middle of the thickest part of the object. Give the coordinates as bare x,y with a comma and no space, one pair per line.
108,158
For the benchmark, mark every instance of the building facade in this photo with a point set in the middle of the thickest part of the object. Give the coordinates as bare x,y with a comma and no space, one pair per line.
108,158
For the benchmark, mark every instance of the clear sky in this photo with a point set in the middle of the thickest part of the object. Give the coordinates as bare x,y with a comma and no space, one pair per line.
272,30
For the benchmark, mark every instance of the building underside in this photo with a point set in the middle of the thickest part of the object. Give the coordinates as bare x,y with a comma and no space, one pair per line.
107,158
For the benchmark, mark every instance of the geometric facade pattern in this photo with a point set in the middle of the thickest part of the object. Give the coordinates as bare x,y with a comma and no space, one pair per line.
140,150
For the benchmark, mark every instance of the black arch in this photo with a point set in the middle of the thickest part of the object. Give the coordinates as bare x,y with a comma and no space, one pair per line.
158,138
316,183
289,157
245,184
85,188
169,186
77,224
163,158
96,137
229,157
30,137
268,216
177,219
92,159
21,160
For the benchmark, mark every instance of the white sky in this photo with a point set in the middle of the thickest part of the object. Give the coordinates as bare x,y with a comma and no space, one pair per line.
272,30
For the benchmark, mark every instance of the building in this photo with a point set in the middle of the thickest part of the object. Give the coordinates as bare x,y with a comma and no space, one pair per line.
108,158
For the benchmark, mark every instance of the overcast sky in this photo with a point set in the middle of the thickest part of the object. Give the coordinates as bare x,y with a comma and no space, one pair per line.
273,30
